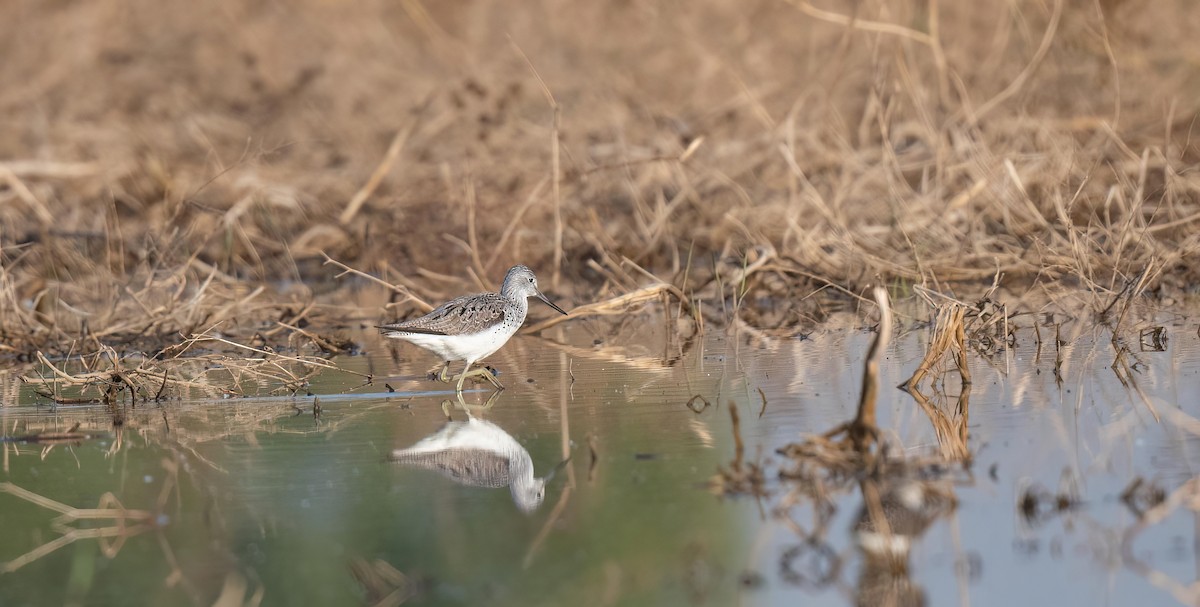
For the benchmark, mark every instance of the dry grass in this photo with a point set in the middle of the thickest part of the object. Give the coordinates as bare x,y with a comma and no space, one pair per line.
184,370
167,166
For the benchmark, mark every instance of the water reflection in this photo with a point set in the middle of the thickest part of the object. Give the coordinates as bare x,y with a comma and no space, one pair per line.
478,453
1042,476
893,517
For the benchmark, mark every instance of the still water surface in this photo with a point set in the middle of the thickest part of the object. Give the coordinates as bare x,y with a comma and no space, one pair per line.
258,501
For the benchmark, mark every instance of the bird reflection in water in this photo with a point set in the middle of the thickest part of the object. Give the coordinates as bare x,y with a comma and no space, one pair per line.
894,517
478,453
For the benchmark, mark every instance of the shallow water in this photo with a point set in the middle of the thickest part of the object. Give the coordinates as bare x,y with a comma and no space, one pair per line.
259,500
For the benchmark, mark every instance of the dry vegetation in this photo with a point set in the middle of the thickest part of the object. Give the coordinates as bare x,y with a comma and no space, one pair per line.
903,490
171,169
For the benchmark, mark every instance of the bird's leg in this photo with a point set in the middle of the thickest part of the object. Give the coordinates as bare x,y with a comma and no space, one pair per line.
462,376
491,400
447,405
473,410
440,374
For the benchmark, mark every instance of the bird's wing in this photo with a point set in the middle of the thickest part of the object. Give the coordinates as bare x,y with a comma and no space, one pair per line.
466,314
473,467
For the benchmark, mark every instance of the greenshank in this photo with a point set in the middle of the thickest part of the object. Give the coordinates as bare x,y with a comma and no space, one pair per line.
472,327
478,453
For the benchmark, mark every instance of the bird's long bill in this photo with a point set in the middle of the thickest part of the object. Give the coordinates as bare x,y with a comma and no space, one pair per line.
553,471
551,304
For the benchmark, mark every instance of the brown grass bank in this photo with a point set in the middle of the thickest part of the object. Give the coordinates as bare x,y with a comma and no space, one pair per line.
166,166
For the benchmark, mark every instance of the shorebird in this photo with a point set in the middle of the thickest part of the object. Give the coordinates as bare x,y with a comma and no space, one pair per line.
478,453
472,327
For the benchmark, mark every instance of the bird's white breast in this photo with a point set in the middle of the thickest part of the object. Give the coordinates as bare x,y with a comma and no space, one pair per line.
462,347
474,434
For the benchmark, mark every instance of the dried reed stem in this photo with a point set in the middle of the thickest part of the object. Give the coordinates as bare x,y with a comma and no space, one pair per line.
389,158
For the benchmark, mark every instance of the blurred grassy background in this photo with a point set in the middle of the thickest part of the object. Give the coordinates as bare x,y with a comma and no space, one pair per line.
158,153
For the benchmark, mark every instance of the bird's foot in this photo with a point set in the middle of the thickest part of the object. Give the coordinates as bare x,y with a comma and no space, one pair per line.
441,375
487,373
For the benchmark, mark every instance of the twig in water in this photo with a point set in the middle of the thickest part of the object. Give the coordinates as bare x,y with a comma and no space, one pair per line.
739,449
697,409
862,431
593,456
740,477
